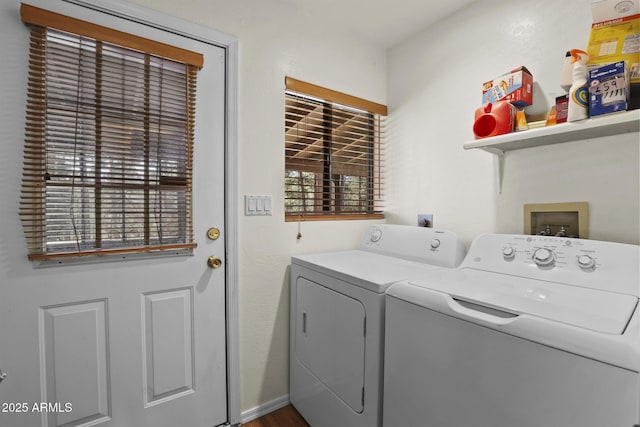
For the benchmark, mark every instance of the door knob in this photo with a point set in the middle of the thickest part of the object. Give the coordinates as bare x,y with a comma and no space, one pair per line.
214,262
3,375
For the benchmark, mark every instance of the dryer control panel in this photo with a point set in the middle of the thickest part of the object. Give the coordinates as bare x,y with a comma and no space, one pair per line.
427,245
589,263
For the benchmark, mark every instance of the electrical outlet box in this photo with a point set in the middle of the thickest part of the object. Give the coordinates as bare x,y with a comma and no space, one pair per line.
425,220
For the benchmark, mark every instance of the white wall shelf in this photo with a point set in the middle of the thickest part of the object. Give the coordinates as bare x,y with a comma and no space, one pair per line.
609,125
612,124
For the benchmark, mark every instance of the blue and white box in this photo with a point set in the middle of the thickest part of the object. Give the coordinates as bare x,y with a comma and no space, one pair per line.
608,88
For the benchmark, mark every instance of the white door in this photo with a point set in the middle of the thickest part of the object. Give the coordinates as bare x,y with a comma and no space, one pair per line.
130,343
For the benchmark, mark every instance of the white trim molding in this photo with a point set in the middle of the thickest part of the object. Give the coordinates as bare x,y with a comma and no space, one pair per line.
231,218
264,409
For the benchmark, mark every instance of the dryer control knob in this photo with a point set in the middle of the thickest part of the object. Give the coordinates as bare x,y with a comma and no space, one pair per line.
435,243
375,235
586,261
508,252
543,257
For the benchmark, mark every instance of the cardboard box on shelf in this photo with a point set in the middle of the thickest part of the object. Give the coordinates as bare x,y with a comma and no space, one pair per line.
614,37
608,88
515,87
562,108
616,40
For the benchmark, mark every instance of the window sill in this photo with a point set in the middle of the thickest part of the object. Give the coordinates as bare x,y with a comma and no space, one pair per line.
92,257
338,217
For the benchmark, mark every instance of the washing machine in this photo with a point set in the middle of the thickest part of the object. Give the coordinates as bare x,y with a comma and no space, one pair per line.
337,319
529,331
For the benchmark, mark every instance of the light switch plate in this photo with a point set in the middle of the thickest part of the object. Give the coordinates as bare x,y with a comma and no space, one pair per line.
257,205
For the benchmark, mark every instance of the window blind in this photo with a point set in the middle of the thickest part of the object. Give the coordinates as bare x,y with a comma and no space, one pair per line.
333,160
108,148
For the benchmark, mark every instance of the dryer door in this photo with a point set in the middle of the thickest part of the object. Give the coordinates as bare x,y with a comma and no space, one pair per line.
330,340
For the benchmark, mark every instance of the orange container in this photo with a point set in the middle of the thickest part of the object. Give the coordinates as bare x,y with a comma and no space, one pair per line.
494,119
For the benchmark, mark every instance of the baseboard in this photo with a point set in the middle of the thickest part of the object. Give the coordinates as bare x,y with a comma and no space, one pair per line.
264,409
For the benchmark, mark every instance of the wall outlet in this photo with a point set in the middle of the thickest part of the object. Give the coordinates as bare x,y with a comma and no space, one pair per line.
425,220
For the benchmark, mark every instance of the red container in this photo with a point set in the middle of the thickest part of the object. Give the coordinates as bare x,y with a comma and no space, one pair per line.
494,119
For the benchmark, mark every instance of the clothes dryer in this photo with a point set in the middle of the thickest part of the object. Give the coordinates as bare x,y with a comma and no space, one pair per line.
337,319
529,331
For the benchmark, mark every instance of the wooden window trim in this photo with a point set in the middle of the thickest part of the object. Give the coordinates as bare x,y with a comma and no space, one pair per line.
118,251
45,18
334,96
295,217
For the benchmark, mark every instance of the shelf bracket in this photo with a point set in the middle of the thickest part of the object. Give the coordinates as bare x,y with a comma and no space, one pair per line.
501,157
500,164
492,150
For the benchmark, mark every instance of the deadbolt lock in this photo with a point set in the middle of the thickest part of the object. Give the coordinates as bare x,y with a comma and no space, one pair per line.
213,233
214,262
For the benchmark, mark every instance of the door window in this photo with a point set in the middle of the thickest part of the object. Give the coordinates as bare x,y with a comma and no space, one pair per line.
109,141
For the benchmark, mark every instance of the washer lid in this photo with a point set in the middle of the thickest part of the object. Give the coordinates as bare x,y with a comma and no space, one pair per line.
596,310
368,270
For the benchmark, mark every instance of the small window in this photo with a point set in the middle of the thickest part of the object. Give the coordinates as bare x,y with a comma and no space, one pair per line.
109,142
333,154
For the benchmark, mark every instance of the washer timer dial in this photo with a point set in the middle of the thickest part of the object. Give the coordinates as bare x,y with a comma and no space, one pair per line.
543,257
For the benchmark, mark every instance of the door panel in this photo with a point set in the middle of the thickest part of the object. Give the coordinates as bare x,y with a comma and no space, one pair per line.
168,345
139,342
79,377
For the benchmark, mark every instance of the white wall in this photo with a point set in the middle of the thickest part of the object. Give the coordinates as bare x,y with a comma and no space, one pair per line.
276,41
434,86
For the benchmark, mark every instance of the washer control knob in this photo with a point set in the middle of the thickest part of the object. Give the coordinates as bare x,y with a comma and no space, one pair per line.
375,235
543,257
508,252
586,261
435,243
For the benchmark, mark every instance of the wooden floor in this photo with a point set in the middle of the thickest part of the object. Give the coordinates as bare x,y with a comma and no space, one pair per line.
284,417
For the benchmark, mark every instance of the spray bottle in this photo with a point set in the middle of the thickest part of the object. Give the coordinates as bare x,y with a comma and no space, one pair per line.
578,93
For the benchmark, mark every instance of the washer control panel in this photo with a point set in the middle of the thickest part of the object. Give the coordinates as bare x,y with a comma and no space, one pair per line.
551,252
591,263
